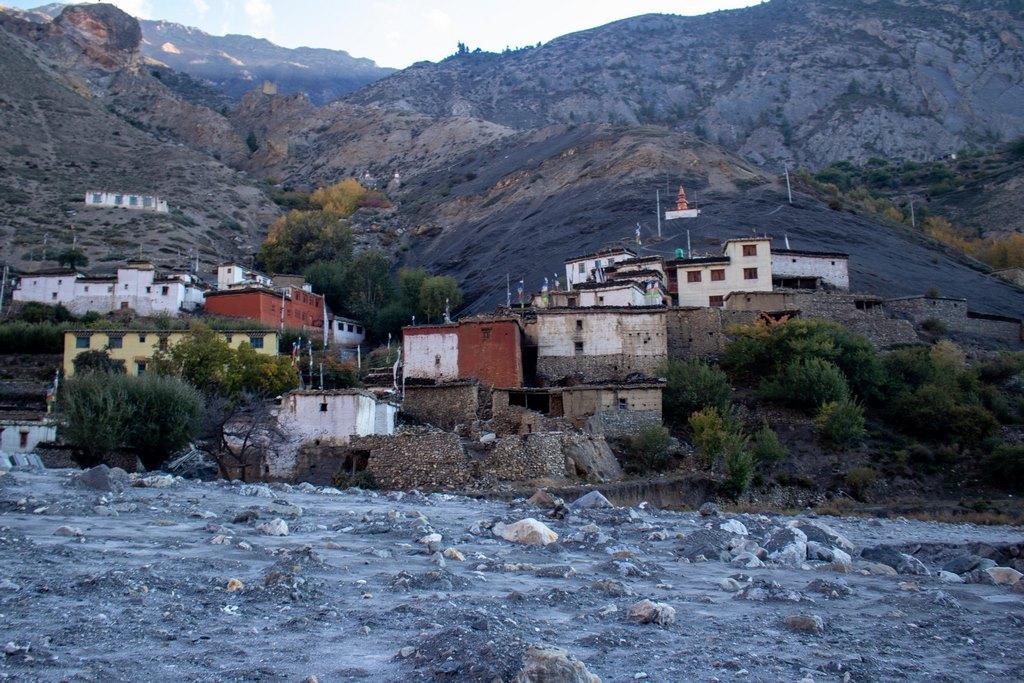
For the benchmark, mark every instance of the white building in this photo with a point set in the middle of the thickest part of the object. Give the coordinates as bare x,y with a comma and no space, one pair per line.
745,265
234,276
431,352
23,435
140,202
347,333
590,267
806,269
330,418
613,293
136,286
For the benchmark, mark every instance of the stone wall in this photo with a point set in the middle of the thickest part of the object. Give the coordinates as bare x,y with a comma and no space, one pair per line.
429,461
599,344
598,368
622,424
951,312
443,405
994,327
701,332
533,456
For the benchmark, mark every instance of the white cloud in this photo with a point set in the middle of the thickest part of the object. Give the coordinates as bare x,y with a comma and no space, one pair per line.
140,9
439,19
260,15
202,7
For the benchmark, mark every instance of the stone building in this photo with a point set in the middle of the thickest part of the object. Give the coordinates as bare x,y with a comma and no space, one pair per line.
232,275
443,405
599,344
744,265
953,314
291,307
619,409
133,349
484,348
136,287
702,332
797,269
591,267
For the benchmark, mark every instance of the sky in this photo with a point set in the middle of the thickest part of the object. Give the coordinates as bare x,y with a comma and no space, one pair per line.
397,33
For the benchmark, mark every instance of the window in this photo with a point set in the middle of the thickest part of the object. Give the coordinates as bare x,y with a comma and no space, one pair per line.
140,367
693,276
117,199
257,342
87,288
715,301
147,201
23,439
149,290
115,342
485,333
750,273
597,264
81,342
124,305
162,343
165,290
579,324
133,200
718,275
437,360
97,198
359,330
600,299
623,404
142,339
323,407
582,268
350,327
228,338
126,285
750,250
578,348
110,288
54,295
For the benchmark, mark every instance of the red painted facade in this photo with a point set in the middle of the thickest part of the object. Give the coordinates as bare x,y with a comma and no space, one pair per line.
302,310
490,350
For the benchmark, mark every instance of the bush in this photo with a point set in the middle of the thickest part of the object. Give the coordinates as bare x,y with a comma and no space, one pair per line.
1004,467
934,326
22,337
96,361
841,422
36,312
150,415
362,480
767,448
709,432
649,450
860,480
739,464
807,383
693,385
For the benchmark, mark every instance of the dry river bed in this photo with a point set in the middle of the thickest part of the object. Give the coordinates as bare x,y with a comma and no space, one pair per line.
106,577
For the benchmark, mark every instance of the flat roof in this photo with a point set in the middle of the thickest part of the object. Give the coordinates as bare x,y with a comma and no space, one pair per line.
611,284
611,251
805,252
653,384
584,310
148,330
699,261
747,239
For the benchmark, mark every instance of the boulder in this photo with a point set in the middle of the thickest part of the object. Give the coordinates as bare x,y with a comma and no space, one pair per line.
102,478
154,481
69,531
901,562
821,533
546,664
787,545
747,561
543,499
593,499
734,526
1004,576
968,563
949,577
275,527
649,612
527,531
709,543
708,509
805,623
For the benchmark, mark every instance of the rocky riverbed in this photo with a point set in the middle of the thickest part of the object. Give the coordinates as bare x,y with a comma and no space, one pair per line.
109,577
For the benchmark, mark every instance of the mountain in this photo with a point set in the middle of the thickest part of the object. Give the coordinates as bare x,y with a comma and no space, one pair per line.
79,113
235,64
805,81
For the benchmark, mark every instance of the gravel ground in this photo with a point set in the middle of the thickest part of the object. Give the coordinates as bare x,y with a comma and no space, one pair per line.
141,583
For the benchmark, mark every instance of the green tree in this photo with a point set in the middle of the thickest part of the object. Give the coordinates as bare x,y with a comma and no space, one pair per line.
166,415
438,293
692,385
329,279
841,422
766,447
301,238
368,284
96,360
807,383
95,414
410,284
73,257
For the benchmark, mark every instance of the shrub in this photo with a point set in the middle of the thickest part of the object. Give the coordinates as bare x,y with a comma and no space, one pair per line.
23,337
767,448
807,383
362,480
693,385
709,432
649,449
153,416
934,326
739,464
860,480
1004,467
96,361
36,312
841,422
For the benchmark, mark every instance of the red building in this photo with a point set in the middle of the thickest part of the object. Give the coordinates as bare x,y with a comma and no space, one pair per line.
302,309
488,349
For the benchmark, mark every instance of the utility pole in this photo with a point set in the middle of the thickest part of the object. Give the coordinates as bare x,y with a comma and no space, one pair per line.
657,194
789,188
689,254
913,219
3,289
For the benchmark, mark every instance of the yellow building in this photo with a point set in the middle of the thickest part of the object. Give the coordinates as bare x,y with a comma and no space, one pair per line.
135,348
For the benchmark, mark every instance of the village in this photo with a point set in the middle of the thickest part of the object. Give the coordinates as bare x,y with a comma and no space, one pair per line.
546,388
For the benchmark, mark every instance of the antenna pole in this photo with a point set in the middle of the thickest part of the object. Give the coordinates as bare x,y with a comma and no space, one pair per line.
789,188
913,219
657,194
3,289
688,252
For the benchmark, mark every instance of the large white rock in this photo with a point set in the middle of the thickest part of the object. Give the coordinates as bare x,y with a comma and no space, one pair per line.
734,526
275,527
526,531
553,665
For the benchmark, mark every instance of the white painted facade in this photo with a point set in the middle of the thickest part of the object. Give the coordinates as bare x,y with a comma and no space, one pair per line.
233,276
745,266
135,287
601,333
613,294
582,268
22,436
347,333
121,200
431,354
324,417
833,269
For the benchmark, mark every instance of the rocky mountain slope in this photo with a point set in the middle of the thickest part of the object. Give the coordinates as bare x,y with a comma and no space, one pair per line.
811,81
78,113
234,64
